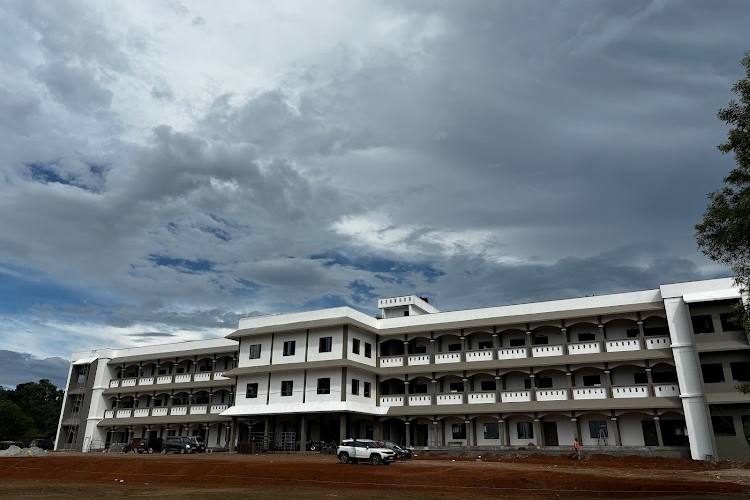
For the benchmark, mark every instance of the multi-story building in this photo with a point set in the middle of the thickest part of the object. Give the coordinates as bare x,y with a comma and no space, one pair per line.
652,370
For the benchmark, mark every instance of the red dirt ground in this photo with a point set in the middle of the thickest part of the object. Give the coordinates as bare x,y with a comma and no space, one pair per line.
311,475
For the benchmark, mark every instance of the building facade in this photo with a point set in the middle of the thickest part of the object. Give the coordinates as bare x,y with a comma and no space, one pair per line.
651,371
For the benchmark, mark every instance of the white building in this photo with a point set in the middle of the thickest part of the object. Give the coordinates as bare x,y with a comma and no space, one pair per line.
652,371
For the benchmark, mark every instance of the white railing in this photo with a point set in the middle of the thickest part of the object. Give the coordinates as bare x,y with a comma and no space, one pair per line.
391,401
218,408
551,394
515,396
124,413
513,353
109,413
181,378
178,410
164,379
419,359
450,399
391,361
482,355
481,397
657,342
161,411
447,357
623,345
220,376
590,393
202,377
585,348
630,391
541,351
666,390
420,400
129,382
146,381
140,412
114,383
199,409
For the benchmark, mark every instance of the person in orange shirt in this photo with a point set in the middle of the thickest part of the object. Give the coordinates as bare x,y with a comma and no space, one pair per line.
577,449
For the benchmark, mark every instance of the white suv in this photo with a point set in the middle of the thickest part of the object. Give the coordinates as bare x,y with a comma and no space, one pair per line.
356,450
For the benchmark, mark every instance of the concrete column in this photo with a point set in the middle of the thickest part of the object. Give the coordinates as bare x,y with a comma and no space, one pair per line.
495,341
435,433
342,427
466,390
602,331
463,347
434,391
406,392
565,339
569,376
233,435
498,388
614,431
578,428
641,332
408,433
608,383
658,431
469,433
377,429
303,433
406,353
506,432
433,348
539,439
650,381
532,381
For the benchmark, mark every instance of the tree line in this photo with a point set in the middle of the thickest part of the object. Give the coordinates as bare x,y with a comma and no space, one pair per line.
30,411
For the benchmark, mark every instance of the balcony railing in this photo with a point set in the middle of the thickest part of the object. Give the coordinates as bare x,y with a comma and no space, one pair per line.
419,359
666,390
481,355
589,393
585,348
658,342
541,351
630,391
551,394
218,408
179,378
420,400
391,400
178,410
482,397
199,409
447,357
391,361
515,396
162,411
513,353
623,345
454,398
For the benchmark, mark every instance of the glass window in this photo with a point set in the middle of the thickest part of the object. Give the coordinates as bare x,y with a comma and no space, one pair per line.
712,373
598,428
355,386
488,385
289,347
324,386
456,386
287,387
485,344
368,389
368,350
325,344
740,371
458,431
729,322
544,382
255,351
592,380
702,324
723,426
355,346
251,391
525,430
491,431
586,337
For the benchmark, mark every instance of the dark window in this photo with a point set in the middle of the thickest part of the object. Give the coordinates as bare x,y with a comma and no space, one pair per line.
740,371
729,322
712,373
456,386
723,426
527,383
454,347
640,378
255,351
368,350
656,331
406,313
355,346
251,391
368,390
355,386
635,332
517,342
485,344
459,431
324,386
289,347
592,380
544,382
746,427
586,337
420,349
488,385
491,431
525,430
325,344
420,389
157,403
541,340
287,387
598,428
702,324
663,377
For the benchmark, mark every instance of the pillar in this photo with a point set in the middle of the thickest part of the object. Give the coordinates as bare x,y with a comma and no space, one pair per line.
432,351
615,431
538,432
233,435
303,433
435,433
342,427
406,352
532,383
408,433
506,431
658,430
463,347
470,440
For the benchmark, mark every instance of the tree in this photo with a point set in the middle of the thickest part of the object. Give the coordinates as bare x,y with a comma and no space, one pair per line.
724,233
41,402
13,423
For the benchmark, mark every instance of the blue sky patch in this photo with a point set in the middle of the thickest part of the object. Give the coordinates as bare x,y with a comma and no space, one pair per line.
182,265
379,265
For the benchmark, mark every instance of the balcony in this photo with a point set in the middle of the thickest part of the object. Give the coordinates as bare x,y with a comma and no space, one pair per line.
391,401
124,413
146,381
109,414
202,377
482,397
543,351
513,353
666,390
658,342
623,345
585,348
140,412
220,376
164,379
128,382
391,361
161,411
551,394
420,400
590,393
447,357
630,391
515,396
218,408
178,410
199,409
181,378
454,398
419,359
481,355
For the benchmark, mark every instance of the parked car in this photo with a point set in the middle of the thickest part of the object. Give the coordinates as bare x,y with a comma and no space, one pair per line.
402,453
44,444
182,444
357,450
151,445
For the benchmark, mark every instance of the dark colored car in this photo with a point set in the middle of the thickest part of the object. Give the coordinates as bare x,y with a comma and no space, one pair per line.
44,444
152,445
402,453
183,444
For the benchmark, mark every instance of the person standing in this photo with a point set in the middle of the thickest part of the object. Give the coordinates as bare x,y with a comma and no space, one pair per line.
577,449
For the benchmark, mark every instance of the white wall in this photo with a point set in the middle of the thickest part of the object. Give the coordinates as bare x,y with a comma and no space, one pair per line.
265,351
243,380
311,392
631,430
479,425
337,348
362,377
356,333
299,348
297,379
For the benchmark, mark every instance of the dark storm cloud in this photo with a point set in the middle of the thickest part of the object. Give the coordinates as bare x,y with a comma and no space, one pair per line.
74,87
19,368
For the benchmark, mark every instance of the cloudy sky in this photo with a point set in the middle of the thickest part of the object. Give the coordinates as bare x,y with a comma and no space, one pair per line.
168,167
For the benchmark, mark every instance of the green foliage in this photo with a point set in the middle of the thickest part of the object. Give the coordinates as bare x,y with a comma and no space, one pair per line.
40,404
724,233
14,424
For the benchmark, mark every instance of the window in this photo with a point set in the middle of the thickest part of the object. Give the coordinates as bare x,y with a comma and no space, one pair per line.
517,342
491,431
368,350
458,431
367,389
324,386
485,344
541,340
420,389
702,324
740,371
656,331
634,332
456,386
454,347
355,346
525,430
544,382
640,378
251,391
287,387
255,351
488,385
729,322
592,380
723,426
586,337
663,377
712,373
355,386
289,347
598,428
406,313
325,344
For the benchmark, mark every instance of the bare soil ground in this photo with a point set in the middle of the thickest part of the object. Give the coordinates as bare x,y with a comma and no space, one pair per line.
312,476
